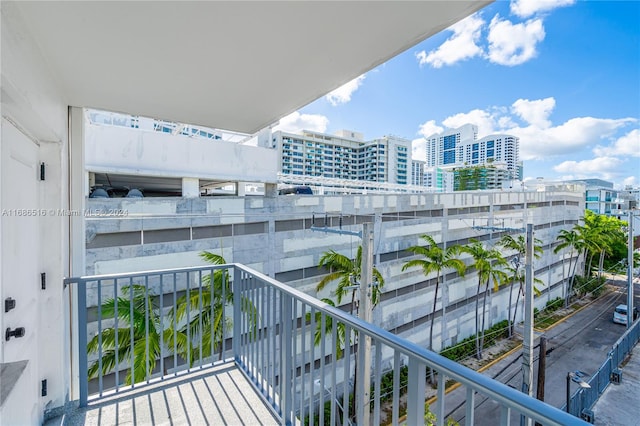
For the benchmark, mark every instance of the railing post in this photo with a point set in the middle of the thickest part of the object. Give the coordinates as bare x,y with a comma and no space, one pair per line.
286,360
415,392
236,340
83,366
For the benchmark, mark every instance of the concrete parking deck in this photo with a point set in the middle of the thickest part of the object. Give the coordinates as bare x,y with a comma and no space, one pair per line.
221,395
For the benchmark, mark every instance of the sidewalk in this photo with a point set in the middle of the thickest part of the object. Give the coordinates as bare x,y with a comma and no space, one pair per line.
620,404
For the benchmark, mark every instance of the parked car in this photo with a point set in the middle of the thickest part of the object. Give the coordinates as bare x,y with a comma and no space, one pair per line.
620,314
296,190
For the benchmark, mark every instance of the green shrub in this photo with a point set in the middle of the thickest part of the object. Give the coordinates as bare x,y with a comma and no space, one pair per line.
554,304
467,346
585,285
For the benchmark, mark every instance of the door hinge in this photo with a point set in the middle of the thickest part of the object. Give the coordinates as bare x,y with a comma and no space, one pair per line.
42,171
43,280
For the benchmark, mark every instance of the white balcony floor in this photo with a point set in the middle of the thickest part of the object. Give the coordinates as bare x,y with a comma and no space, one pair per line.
220,395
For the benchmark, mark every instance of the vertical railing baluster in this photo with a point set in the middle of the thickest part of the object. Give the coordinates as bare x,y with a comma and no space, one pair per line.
312,363
334,342
147,313
212,318
132,337
303,353
505,416
226,279
235,338
323,351
200,311
175,325
263,338
440,401
378,381
396,386
83,375
346,375
161,324
470,408
415,391
188,294
99,337
115,325
286,360
269,346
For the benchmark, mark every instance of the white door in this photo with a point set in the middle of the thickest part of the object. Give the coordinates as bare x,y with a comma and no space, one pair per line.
19,277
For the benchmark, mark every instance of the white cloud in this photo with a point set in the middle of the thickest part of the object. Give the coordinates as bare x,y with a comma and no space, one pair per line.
539,139
627,145
630,181
429,128
513,44
342,94
463,44
296,122
527,8
572,135
535,112
485,121
606,167
419,149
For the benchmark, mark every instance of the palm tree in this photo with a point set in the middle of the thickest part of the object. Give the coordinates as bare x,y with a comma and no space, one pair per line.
205,308
435,260
347,271
515,274
137,310
571,239
488,264
519,245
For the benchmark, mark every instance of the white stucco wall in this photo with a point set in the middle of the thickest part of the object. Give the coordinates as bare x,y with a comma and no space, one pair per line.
34,130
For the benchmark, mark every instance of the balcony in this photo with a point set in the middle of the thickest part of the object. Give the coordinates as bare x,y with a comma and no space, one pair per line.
224,342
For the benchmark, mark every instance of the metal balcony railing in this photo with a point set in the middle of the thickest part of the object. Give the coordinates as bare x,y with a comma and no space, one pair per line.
299,353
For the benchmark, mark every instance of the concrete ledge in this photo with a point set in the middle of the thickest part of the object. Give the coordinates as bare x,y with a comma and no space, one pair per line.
10,373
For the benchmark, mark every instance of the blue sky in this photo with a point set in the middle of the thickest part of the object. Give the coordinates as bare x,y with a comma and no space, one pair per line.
563,76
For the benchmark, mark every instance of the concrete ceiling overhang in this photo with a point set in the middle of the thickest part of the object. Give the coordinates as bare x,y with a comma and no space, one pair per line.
234,65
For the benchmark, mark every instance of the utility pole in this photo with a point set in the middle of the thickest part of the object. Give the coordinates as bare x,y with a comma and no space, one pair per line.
630,273
542,365
364,342
527,341
363,361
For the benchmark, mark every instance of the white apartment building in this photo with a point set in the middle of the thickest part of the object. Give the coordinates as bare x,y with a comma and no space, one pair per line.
417,172
461,147
345,155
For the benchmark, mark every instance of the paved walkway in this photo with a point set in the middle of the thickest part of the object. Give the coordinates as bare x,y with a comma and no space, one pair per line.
620,404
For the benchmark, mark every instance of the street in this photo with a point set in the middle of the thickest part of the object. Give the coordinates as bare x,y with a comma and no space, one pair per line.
581,342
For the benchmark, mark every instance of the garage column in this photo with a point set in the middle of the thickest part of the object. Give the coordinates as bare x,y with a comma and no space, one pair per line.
190,187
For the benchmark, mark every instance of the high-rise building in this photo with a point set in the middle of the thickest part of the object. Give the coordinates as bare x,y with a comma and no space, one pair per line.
417,172
345,155
446,148
460,147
